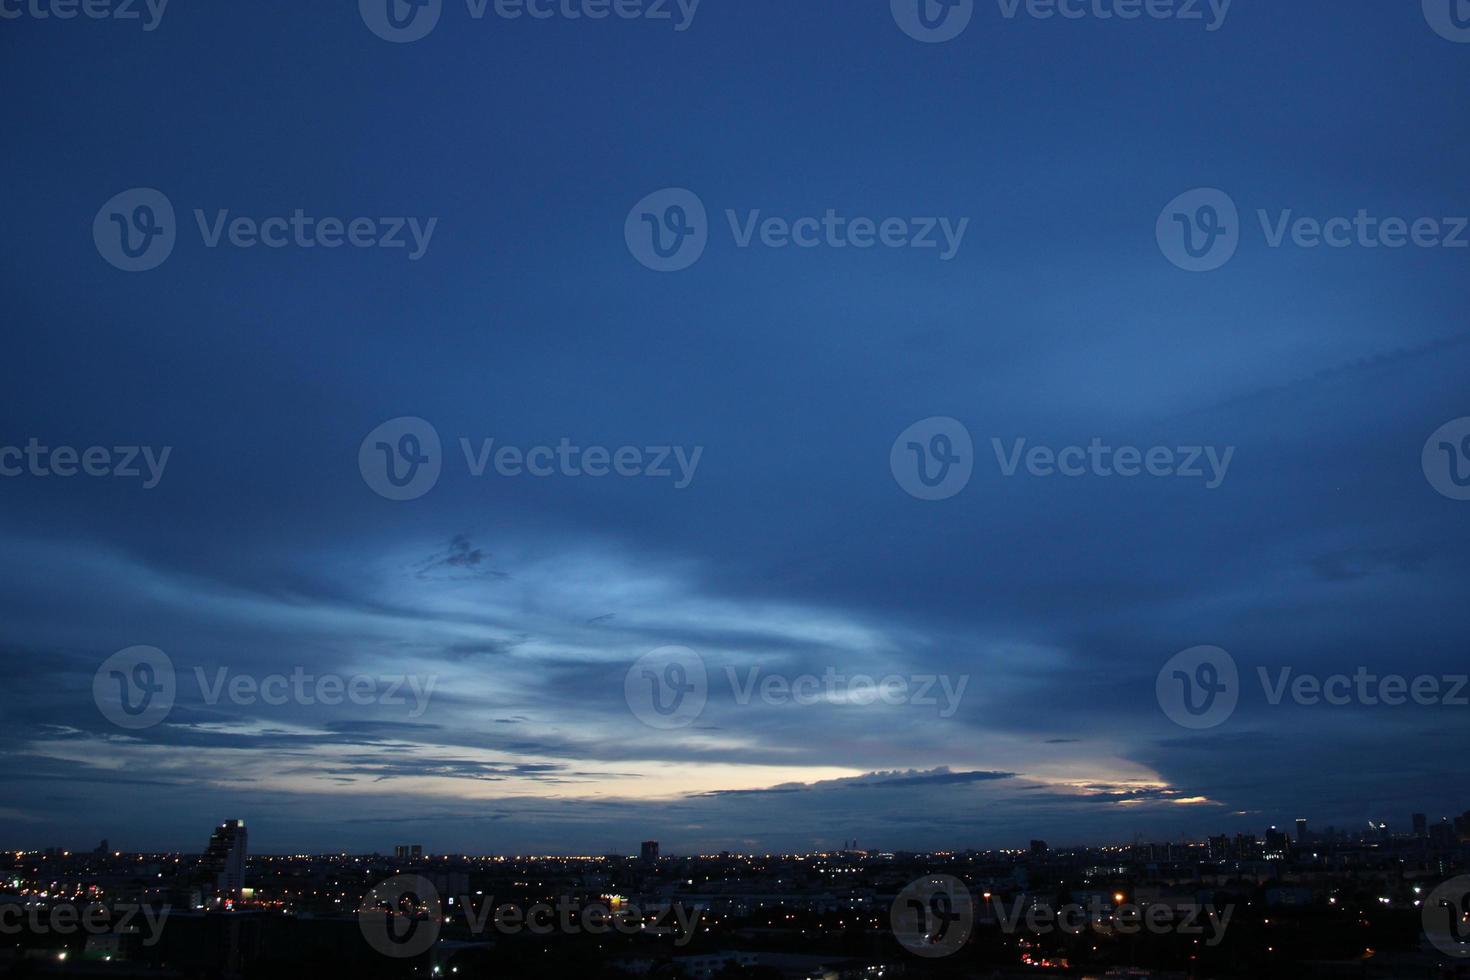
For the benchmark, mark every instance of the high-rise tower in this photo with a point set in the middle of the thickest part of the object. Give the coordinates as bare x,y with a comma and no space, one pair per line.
223,863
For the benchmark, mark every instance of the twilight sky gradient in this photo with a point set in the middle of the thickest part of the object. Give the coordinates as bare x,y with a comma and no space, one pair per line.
794,549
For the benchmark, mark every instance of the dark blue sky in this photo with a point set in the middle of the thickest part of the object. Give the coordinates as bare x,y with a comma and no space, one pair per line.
527,320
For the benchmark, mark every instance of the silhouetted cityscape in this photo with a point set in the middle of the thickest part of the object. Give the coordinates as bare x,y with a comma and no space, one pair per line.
1291,901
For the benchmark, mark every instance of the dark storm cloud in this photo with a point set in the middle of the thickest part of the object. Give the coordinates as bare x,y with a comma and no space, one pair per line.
930,778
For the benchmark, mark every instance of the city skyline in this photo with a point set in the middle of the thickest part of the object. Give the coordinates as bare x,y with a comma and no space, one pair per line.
1454,828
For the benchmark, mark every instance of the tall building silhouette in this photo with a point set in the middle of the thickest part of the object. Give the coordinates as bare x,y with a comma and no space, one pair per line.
223,864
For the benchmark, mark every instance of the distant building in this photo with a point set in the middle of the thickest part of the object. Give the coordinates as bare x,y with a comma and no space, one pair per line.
1421,825
706,966
408,852
223,864
649,852
1302,834
1288,897
451,883
1039,848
